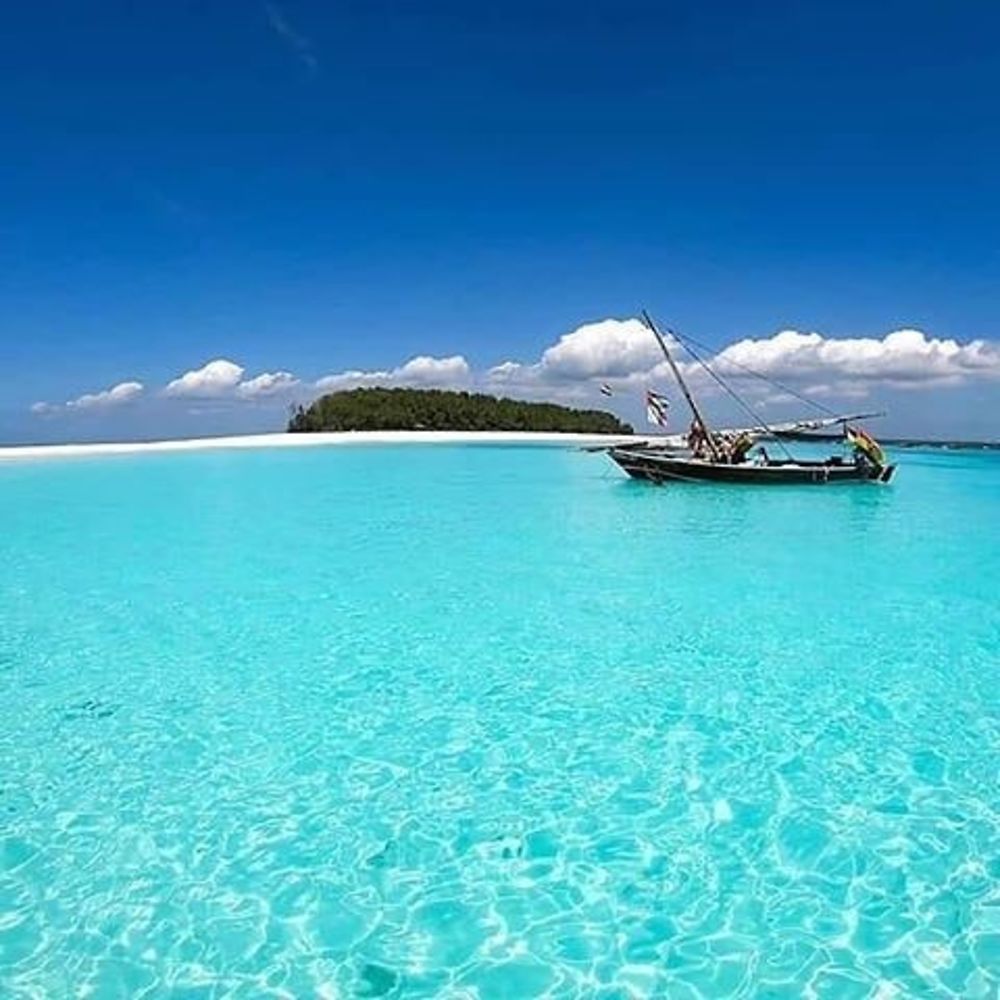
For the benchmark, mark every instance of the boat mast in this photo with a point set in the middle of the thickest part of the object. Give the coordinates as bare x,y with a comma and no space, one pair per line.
698,418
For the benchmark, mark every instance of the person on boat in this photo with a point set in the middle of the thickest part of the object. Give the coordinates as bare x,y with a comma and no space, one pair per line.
762,456
867,451
696,440
740,448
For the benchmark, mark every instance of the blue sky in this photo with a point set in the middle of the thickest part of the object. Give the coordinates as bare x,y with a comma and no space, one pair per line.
318,188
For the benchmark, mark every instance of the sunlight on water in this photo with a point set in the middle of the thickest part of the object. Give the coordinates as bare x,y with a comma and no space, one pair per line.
496,722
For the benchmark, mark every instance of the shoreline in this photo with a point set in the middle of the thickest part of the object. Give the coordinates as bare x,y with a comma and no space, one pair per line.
283,439
319,439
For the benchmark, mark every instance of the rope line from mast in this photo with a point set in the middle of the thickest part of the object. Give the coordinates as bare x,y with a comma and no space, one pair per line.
685,339
758,421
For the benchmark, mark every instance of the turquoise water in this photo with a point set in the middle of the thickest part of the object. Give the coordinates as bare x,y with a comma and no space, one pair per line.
495,722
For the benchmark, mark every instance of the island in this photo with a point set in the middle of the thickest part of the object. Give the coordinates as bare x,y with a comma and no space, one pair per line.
381,409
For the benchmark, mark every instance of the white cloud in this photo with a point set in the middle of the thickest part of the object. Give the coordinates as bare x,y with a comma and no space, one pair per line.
534,382
217,378
300,46
124,392
121,393
427,370
625,354
422,370
621,352
505,370
901,358
612,347
266,384
223,379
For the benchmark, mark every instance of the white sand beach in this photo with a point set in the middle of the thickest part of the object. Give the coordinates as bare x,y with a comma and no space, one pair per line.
285,440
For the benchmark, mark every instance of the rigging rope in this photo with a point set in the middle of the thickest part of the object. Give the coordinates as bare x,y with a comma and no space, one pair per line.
686,339
758,421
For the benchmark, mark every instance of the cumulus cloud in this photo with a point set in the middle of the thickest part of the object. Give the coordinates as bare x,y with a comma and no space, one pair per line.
624,354
901,358
621,352
266,385
422,370
223,379
217,378
606,349
431,371
124,392
121,393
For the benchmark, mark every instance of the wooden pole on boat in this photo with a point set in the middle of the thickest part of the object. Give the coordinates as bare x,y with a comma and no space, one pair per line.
698,418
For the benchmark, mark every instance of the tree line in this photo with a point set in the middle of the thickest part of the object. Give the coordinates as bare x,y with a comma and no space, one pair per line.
379,409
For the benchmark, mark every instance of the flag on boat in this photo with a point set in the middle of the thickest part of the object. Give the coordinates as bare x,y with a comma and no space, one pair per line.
606,389
656,408
866,444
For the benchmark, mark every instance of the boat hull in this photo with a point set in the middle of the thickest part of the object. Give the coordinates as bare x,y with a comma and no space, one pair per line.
663,468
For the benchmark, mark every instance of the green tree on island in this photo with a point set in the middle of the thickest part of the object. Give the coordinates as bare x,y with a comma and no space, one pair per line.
439,410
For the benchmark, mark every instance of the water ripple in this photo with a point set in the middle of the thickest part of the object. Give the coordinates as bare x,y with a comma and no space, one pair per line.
488,724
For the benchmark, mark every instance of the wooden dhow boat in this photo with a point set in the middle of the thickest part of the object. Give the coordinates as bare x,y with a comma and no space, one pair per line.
725,456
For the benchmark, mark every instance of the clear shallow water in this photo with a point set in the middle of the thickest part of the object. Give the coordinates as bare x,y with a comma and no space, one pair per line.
495,722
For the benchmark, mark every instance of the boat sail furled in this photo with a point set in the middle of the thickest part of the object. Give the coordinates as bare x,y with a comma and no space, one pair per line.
704,454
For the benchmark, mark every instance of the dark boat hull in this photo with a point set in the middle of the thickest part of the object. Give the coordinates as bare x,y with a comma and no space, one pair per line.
660,467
